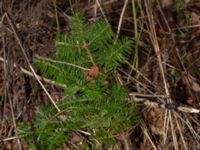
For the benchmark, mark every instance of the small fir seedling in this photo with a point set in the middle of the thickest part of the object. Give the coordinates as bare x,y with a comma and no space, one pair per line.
95,103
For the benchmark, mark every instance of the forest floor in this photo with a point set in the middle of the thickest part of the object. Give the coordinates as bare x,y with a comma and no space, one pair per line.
165,81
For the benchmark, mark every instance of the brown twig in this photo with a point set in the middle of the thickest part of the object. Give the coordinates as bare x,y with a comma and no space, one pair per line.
167,106
28,61
25,71
7,91
120,20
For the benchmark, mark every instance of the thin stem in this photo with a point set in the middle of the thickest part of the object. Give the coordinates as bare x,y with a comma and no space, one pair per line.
89,54
61,62
56,14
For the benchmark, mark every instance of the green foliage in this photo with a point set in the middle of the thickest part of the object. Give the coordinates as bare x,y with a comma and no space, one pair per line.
180,5
93,104
85,45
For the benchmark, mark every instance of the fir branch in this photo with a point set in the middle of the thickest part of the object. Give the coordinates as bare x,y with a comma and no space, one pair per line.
94,105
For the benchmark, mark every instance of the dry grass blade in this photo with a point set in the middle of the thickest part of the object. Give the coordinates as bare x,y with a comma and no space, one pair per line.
178,59
102,12
155,44
9,138
32,75
175,142
147,134
120,20
144,100
180,131
28,61
190,127
8,94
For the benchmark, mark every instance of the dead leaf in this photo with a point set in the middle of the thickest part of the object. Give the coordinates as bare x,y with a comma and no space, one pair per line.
93,72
